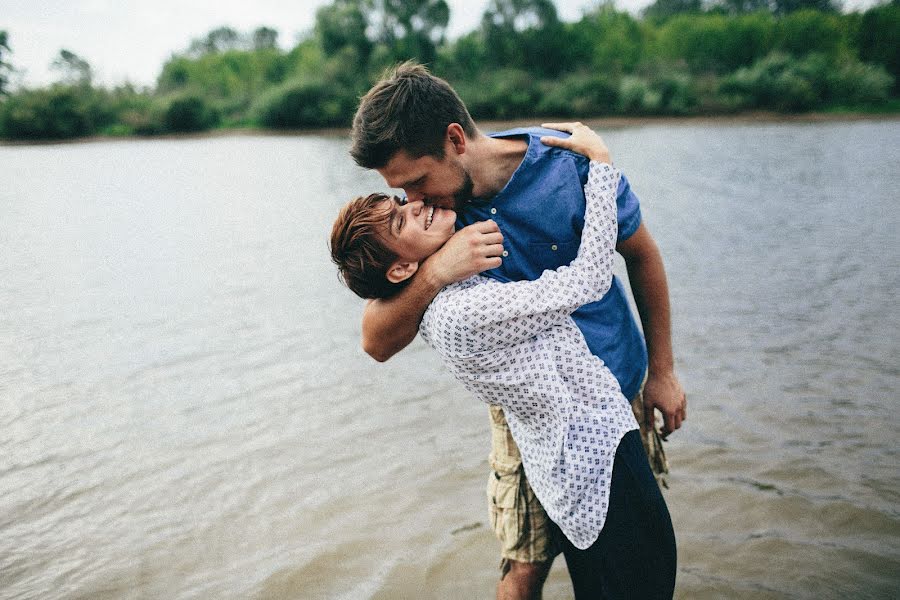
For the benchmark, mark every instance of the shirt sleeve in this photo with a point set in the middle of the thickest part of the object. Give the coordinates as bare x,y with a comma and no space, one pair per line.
499,314
628,204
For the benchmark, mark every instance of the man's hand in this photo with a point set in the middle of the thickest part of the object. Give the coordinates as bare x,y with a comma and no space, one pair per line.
663,392
471,250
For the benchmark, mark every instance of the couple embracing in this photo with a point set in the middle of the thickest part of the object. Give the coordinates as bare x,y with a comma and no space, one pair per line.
501,257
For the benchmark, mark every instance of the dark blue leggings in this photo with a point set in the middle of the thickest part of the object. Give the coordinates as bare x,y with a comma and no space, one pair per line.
634,556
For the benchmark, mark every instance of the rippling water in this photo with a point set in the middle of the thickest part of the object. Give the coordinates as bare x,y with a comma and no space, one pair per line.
185,412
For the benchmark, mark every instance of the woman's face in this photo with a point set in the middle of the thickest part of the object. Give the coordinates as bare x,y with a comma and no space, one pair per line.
416,231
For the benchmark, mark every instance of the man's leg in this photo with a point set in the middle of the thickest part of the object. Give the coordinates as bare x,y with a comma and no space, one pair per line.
527,541
523,581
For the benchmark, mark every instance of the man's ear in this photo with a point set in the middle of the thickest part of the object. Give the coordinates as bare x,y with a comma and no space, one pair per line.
401,271
456,136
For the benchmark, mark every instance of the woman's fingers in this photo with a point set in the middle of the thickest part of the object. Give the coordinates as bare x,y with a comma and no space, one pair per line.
570,126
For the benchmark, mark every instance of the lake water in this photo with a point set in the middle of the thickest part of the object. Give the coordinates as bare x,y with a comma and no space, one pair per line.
185,411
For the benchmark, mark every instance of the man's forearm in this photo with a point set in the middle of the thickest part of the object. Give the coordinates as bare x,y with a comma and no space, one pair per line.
388,326
651,295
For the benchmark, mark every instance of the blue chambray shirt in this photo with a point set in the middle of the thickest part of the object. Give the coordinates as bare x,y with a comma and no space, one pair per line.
541,214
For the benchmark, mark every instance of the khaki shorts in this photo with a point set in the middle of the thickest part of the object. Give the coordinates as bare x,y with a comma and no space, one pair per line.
516,515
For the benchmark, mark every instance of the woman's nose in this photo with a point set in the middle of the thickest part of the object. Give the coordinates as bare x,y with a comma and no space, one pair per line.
416,207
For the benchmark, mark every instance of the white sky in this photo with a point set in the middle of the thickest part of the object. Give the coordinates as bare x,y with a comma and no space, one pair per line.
129,40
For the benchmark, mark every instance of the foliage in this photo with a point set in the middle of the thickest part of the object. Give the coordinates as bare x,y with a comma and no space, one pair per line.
303,103
878,38
788,84
189,113
73,69
681,57
607,40
57,112
5,66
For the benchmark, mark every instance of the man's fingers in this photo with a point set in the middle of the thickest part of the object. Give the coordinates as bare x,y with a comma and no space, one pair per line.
669,426
493,250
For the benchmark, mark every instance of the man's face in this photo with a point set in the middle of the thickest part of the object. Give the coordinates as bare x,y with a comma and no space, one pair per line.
435,181
416,231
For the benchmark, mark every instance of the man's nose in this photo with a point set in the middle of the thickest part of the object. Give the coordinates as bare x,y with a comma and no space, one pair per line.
415,197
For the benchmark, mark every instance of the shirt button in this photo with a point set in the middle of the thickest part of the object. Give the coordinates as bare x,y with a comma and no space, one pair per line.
493,211
505,253
553,247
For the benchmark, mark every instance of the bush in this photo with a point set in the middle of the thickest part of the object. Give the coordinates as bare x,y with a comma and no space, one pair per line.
784,83
637,97
57,112
855,83
189,113
504,94
305,103
676,94
774,82
579,95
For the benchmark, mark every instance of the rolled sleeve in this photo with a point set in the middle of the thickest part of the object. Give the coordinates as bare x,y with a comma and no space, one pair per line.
629,210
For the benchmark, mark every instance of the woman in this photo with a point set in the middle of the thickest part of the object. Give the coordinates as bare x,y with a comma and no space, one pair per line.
516,345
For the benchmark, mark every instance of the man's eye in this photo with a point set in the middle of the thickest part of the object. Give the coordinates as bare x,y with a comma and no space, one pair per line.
400,223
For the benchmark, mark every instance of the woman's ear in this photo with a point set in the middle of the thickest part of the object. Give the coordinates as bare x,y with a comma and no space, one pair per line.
401,271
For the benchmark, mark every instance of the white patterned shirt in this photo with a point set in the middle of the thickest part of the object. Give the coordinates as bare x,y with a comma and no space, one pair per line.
516,345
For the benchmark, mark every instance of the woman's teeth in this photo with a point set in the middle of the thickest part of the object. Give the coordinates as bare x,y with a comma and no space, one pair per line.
429,217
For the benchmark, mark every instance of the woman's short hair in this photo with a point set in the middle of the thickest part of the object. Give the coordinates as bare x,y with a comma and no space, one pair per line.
358,249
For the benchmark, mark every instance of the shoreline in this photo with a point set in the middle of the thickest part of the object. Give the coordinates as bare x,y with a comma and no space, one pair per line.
617,122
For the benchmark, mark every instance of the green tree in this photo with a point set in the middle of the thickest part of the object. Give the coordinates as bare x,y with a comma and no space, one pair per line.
5,67
661,10
607,40
343,24
410,28
220,39
265,38
789,6
73,69
525,34
878,39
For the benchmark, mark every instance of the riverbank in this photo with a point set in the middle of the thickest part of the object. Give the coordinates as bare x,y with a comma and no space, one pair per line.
598,123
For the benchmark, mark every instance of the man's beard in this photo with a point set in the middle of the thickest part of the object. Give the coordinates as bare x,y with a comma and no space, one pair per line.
463,195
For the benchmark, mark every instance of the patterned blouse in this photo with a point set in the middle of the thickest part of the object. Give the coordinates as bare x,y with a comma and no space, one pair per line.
516,345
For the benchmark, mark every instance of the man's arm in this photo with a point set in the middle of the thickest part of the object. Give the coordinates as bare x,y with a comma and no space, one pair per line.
651,294
389,325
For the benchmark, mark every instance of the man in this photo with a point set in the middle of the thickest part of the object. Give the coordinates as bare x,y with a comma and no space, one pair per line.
416,132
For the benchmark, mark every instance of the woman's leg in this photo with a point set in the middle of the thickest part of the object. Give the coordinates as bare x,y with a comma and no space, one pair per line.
634,556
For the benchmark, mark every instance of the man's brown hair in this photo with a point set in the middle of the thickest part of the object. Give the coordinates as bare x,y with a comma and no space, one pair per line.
358,249
409,109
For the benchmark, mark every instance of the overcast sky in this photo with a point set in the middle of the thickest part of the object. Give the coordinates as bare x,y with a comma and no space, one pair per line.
129,40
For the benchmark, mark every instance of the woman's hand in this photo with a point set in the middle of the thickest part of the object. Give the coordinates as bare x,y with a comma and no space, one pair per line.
583,141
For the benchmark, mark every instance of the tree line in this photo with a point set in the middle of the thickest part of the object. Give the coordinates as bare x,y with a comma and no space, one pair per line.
679,57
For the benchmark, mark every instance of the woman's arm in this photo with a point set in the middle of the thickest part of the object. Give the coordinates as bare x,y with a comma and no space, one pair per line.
497,314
